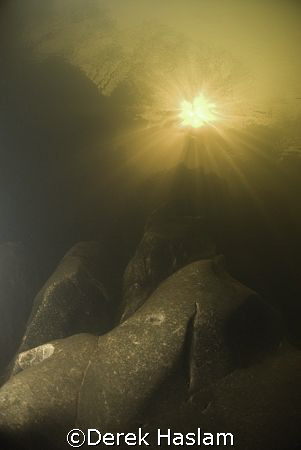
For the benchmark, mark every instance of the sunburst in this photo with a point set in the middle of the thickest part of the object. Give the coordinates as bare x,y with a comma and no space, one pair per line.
197,113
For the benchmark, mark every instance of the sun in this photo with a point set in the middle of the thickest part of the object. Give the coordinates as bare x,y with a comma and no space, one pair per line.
197,113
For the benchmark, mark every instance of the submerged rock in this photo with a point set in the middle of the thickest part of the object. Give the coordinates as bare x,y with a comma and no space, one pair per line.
169,243
18,284
259,405
72,301
39,404
107,382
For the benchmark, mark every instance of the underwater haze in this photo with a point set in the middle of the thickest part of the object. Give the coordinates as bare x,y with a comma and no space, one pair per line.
91,93
150,219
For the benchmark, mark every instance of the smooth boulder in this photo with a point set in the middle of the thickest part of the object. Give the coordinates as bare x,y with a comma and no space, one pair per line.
39,405
117,376
259,405
169,243
72,301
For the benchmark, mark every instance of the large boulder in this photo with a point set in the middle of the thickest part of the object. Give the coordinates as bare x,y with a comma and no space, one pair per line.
39,405
108,382
169,243
18,285
72,301
259,405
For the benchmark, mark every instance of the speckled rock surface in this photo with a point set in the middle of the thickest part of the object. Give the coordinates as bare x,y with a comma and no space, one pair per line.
40,403
108,382
32,357
72,301
169,243
260,405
